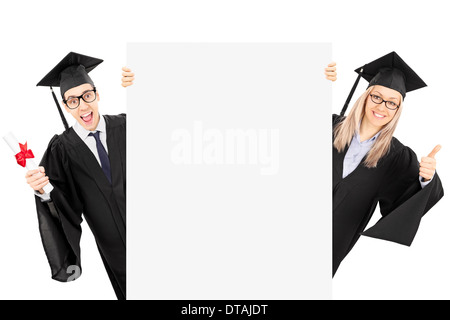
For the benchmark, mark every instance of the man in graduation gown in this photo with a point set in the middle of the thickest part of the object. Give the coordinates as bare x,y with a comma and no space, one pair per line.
86,165
396,183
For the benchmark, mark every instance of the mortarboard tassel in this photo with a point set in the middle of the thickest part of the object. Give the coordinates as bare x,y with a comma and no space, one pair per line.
63,118
344,108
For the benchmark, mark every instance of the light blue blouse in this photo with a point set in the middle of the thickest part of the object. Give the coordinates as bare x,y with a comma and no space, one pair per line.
358,150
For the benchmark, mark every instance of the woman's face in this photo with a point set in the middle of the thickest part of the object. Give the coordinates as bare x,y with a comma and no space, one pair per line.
378,114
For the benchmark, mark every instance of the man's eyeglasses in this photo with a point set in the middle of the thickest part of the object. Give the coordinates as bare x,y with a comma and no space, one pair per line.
88,97
389,104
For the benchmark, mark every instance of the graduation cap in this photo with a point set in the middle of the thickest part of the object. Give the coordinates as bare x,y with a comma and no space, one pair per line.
389,71
70,72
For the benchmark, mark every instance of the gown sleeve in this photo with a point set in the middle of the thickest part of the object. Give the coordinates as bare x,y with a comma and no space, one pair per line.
60,218
403,202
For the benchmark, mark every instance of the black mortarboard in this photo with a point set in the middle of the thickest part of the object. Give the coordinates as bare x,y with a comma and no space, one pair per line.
70,72
389,71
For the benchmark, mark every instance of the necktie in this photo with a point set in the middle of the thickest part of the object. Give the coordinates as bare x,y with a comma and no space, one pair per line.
104,159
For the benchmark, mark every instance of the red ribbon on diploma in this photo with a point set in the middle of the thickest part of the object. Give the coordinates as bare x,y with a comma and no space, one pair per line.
23,155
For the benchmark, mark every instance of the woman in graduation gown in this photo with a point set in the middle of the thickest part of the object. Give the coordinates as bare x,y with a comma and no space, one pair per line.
83,186
372,167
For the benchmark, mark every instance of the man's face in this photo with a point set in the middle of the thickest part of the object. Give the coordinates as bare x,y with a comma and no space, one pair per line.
87,112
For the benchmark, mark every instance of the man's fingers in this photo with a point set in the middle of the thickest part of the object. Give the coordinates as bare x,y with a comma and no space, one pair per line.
332,64
127,79
40,186
33,181
33,178
127,84
331,78
434,151
330,69
31,172
37,178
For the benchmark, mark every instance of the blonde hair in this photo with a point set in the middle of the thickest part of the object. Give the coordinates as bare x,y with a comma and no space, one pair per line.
345,130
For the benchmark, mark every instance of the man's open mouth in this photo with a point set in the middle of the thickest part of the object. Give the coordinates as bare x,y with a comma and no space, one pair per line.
87,117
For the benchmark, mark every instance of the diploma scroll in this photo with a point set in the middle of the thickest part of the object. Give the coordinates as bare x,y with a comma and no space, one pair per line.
23,156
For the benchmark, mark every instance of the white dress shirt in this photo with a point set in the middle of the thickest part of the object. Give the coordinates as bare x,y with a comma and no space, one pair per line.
90,140
90,143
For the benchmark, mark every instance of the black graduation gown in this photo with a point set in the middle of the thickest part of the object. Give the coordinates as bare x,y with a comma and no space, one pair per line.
394,184
81,187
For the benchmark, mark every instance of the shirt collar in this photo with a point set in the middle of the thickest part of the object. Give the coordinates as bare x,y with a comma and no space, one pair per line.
83,133
368,141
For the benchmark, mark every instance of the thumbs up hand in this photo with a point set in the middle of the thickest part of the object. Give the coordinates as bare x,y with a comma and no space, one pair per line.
428,164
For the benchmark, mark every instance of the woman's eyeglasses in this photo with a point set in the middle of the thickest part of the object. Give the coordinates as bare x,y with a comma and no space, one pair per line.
389,104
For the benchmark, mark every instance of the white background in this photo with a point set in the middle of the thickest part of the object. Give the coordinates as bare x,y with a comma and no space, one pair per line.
35,35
